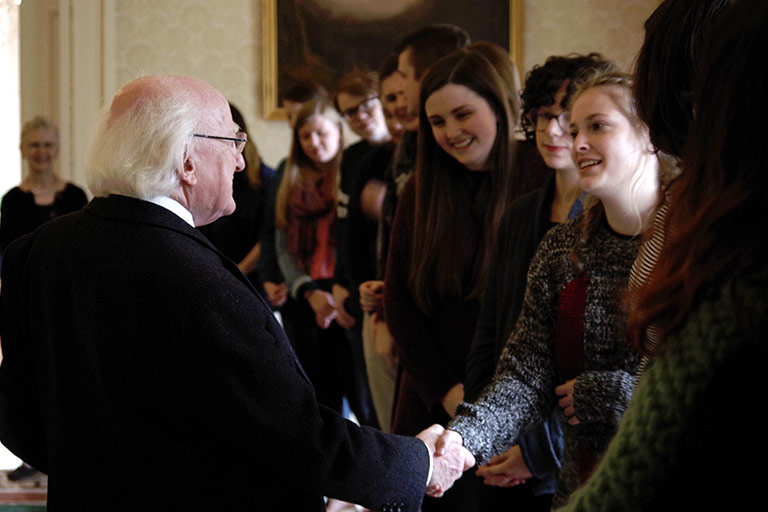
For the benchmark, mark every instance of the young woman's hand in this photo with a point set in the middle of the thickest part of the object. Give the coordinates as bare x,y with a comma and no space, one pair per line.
323,305
277,294
371,295
340,294
506,469
452,398
566,402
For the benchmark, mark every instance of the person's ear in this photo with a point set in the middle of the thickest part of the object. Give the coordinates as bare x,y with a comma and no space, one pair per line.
188,172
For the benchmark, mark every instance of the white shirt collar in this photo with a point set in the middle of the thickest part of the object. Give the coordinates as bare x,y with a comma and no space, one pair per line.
175,207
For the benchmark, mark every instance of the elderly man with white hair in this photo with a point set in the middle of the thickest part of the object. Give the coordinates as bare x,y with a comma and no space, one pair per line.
143,371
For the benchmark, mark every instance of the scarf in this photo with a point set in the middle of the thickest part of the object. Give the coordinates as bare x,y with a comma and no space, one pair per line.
311,212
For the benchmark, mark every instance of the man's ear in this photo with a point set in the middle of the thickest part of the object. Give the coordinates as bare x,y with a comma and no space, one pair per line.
188,172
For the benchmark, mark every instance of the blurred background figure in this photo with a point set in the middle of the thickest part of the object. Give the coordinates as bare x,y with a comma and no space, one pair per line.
365,204
305,248
41,196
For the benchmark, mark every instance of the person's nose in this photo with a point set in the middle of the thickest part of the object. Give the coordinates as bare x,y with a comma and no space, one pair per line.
553,128
400,101
239,163
452,129
580,143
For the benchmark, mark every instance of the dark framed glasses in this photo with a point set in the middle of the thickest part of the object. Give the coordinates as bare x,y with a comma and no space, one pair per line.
239,139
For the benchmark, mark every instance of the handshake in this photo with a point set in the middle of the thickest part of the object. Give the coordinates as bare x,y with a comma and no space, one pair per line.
449,459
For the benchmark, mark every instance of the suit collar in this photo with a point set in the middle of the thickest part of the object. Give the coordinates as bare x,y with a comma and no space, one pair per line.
132,209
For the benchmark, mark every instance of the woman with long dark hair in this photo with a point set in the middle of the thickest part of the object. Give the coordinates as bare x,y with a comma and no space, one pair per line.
446,222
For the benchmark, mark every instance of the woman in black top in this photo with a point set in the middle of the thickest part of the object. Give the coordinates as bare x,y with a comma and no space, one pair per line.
42,194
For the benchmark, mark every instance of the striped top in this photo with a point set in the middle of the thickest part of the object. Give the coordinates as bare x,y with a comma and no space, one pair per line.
647,256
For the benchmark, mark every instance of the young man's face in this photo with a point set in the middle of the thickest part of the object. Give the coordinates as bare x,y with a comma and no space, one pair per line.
408,106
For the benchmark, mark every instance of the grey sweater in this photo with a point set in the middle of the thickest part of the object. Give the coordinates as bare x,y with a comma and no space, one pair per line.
521,393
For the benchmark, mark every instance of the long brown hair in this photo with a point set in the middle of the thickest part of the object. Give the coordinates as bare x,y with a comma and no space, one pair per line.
444,222
298,162
716,224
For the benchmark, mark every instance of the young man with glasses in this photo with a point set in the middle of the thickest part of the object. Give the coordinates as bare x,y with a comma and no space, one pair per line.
357,99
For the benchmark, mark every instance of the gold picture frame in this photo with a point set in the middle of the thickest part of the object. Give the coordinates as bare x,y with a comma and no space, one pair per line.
270,85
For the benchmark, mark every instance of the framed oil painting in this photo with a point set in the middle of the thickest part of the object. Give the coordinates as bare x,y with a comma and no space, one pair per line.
322,39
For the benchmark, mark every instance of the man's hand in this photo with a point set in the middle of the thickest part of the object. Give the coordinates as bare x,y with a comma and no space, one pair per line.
447,467
566,403
277,294
505,470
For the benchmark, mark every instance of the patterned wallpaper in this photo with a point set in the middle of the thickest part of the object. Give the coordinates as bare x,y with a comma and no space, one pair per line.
220,42
558,27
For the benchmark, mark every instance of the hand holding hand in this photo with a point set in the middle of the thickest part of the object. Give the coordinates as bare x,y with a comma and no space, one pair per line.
449,465
340,294
566,403
323,305
277,294
371,295
505,470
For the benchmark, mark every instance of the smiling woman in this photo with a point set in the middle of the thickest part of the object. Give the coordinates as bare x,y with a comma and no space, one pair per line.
305,244
445,225
42,194
463,124
569,346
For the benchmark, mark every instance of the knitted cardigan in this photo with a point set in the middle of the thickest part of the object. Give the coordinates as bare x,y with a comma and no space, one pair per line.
691,438
521,393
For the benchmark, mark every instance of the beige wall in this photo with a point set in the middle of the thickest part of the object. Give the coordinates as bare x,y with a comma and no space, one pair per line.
224,47
611,27
220,42
202,39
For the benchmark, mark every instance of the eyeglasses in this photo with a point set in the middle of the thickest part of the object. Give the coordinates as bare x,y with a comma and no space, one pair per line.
239,139
541,119
366,106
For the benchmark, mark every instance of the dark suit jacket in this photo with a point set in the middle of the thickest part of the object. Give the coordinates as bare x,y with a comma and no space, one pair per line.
143,371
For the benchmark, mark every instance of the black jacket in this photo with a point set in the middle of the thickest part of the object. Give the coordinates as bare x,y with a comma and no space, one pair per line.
143,371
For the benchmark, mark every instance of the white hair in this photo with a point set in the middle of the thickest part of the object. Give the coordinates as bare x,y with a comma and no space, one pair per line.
138,153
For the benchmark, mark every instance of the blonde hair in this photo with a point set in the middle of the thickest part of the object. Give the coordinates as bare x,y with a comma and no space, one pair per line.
38,123
618,85
298,162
